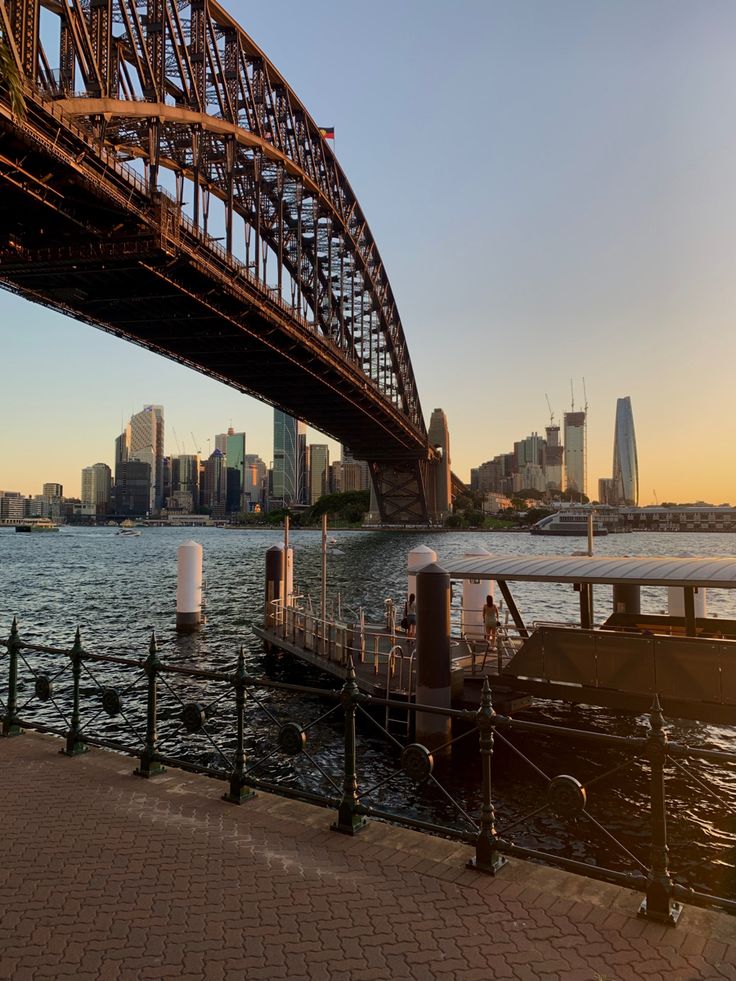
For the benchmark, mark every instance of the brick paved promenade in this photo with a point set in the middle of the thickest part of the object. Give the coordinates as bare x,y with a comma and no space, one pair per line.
103,875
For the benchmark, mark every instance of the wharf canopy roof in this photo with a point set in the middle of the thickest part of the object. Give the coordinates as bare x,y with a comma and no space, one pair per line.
716,573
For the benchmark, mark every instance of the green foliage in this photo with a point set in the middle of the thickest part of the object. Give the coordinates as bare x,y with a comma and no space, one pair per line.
10,79
478,519
529,493
350,508
343,509
575,496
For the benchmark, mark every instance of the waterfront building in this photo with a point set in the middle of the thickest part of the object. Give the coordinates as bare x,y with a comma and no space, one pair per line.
335,477
255,482
679,517
48,503
96,490
493,503
185,484
37,506
13,505
289,478
529,450
180,502
122,446
352,477
214,494
554,463
319,464
530,476
232,446
606,493
575,451
132,493
493,475
147,445
167,479
625,462
359,479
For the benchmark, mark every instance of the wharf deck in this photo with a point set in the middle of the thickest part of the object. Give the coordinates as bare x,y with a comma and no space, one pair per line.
384,675
119,879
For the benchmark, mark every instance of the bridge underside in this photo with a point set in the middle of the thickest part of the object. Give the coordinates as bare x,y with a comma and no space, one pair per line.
78,238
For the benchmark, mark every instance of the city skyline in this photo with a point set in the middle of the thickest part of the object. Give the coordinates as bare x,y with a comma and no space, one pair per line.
594,240
74,475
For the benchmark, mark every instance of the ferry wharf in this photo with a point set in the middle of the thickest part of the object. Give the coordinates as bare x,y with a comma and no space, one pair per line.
108,877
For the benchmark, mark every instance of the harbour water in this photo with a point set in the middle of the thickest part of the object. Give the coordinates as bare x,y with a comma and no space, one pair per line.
117,589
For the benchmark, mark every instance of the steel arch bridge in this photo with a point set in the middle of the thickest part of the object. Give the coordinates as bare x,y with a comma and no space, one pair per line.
164,183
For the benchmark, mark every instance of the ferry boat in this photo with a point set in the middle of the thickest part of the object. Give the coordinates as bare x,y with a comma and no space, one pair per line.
40,524
568,523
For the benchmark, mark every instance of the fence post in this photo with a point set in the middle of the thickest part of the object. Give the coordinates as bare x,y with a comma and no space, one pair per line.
238,791
487,858
74,744
348,821
149,766
659,904
11,726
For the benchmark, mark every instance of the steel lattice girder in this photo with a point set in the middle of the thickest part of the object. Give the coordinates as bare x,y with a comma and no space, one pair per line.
180,85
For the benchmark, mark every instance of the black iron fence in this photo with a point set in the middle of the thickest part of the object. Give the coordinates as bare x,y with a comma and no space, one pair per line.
240,729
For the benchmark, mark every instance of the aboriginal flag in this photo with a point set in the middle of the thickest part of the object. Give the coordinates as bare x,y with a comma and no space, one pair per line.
328,132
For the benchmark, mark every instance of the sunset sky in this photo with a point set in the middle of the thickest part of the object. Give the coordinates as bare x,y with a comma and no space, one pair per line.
552,186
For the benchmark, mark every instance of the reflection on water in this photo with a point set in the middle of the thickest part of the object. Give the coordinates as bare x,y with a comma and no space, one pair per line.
117,589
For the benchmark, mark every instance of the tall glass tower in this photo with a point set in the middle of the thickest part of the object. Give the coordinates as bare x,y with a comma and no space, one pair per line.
147,445
625,462
575,451
289,459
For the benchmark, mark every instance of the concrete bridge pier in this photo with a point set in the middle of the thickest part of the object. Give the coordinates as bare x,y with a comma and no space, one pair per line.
433,655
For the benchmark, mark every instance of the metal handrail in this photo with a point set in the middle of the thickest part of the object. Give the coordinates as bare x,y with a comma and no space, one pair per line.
562,794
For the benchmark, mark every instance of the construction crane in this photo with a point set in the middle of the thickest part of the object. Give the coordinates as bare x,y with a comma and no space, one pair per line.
572,397
551,413
585,440
195,441
178,448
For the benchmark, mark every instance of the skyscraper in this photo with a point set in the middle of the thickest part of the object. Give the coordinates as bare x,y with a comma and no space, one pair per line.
185,482
575,451
289,460
359,478
96,490
625,462
214,494
553,459
256,473
232,445
132,487
122,446
319,465
147,445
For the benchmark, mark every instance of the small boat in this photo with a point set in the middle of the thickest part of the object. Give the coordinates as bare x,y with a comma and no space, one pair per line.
568,523
129,533
41,524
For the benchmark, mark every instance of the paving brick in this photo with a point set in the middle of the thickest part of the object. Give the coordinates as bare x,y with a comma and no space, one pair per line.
162,880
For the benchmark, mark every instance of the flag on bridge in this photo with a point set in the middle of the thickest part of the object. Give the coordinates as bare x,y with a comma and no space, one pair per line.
327,132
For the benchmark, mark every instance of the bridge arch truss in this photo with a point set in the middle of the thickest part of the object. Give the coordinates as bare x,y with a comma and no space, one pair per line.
222,154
